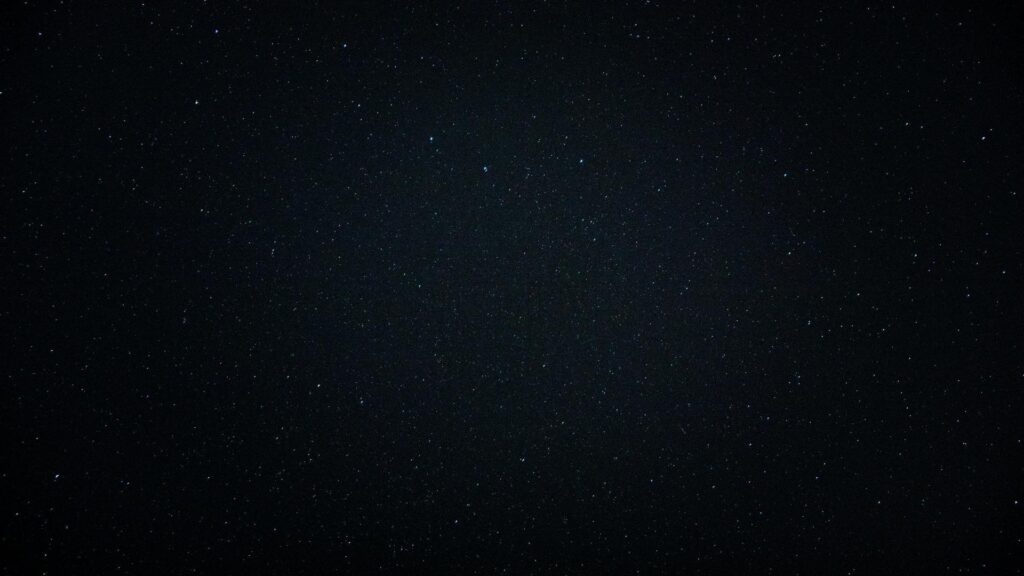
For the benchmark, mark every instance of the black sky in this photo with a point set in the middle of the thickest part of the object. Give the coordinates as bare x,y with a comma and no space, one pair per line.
511,288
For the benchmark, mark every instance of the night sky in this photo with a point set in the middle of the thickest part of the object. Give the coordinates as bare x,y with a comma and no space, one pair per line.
511,288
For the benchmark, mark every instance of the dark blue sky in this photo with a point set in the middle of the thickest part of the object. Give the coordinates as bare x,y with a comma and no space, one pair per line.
511,288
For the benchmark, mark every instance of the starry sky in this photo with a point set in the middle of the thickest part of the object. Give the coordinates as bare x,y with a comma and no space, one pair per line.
511,288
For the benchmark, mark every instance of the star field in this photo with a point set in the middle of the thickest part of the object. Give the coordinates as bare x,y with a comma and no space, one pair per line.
511,288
